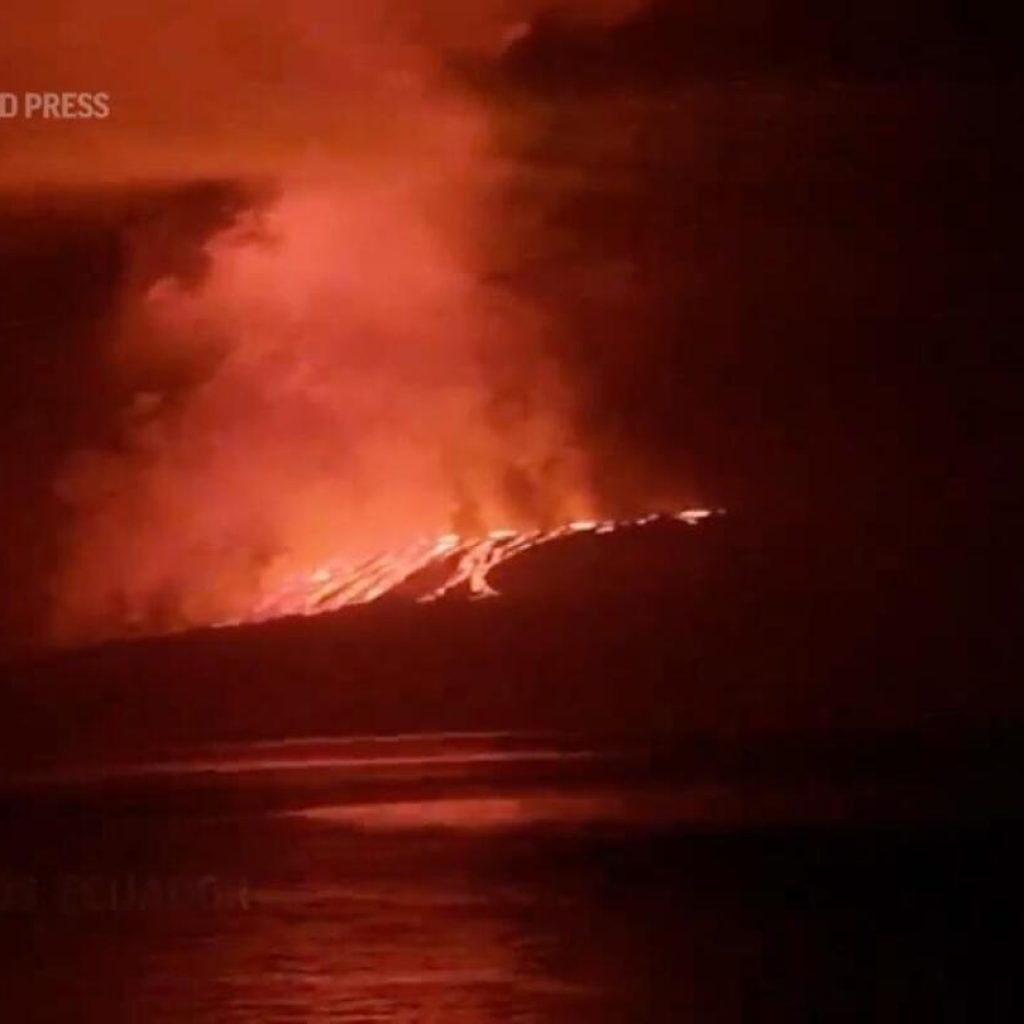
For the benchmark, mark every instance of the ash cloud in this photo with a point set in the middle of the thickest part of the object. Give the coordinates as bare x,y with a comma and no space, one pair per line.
335,369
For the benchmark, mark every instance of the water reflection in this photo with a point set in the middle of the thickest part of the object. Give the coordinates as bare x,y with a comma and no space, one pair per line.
266,897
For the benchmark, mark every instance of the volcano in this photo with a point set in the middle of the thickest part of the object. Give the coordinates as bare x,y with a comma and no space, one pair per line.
690,624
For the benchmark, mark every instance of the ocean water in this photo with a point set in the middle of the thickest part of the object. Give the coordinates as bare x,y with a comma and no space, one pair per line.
474,879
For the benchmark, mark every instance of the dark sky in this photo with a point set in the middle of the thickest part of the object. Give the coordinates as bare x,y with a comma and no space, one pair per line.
783,240
811,311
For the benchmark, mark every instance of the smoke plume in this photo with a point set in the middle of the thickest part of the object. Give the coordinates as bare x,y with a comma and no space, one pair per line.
337,368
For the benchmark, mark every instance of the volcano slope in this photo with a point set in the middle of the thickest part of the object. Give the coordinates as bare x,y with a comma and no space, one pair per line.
658,629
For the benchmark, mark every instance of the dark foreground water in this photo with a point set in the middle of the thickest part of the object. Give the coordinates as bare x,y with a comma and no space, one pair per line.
453,884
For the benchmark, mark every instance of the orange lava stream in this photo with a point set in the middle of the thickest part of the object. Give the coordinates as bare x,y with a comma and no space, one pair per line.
454,566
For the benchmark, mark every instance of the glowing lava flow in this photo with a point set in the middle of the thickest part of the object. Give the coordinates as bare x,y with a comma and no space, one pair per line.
429,570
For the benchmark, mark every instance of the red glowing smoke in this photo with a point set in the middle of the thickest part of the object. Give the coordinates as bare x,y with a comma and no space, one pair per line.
355,379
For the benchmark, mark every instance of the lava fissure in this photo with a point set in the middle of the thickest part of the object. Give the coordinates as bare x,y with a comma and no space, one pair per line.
428,570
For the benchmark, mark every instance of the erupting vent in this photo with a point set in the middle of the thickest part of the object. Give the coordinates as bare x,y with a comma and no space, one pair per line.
429,570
